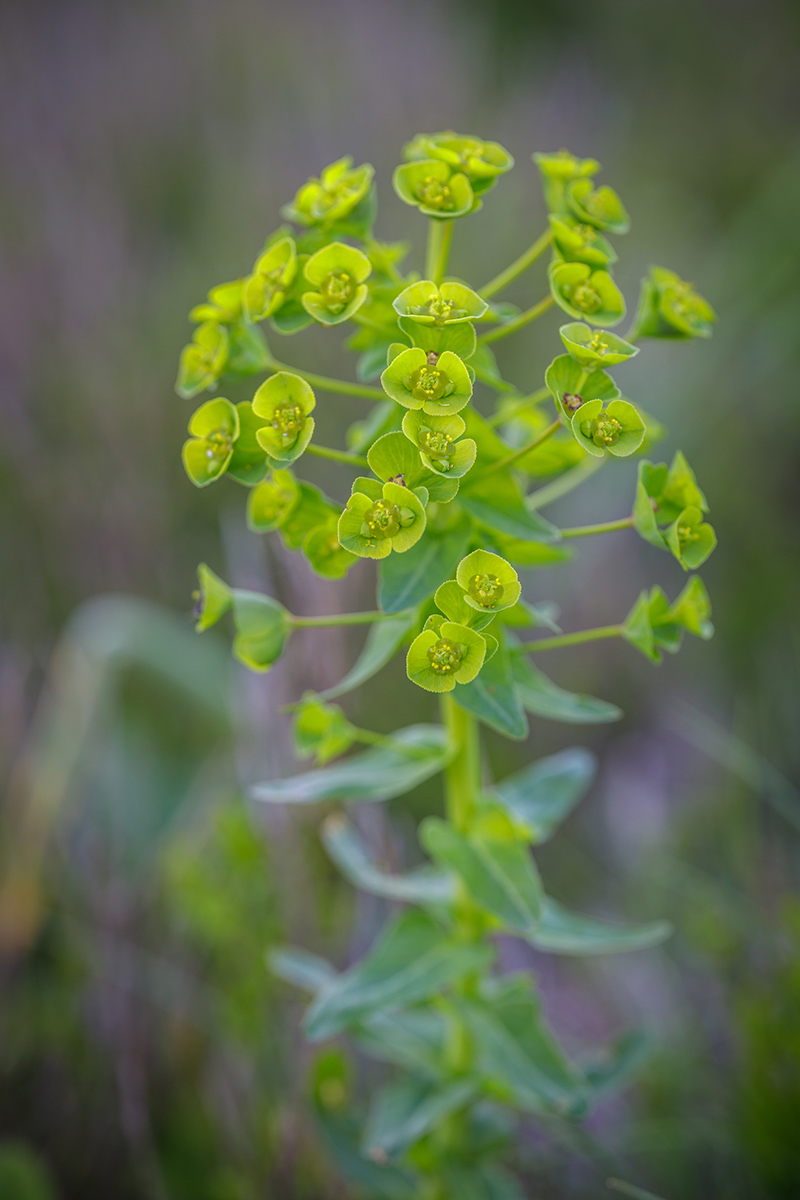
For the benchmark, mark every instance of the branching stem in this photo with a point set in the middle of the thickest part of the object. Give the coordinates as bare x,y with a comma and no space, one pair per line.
342,456
519,322
510,459
565,484
570,639
518,406
606,527
325,384
517,267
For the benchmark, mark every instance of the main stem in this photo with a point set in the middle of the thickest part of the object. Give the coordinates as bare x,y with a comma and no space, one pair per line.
463,772
517,266
440,234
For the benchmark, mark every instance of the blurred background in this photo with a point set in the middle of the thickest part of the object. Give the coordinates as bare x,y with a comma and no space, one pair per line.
146,148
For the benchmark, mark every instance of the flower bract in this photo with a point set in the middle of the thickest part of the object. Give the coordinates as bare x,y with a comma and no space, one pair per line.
618,428
265,290
443,305
600,207
482,162
439,384
321,730
595,347
269,504
339,272
333,196
440,658
203,360
437,439
285,401
433,187
690,538
577,242
214,429
671,308
488,582
585,294
212,599
392,517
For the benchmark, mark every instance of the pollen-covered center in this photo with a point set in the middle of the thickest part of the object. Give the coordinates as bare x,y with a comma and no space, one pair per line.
687,534
487,590
337,290
435,194
587,234
586,298
437,445
440,309
604,431
430,383
218,444
599,344
382,520
445,656
287,420
595,204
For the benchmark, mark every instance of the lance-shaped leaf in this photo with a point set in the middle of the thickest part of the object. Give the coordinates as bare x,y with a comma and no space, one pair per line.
340,1136
409,579
542,795
383,641
412,960
497,502
415,1039
301,968
517,1054
564,932
408,758
495,868
403,1112
540,696
493,697
426,885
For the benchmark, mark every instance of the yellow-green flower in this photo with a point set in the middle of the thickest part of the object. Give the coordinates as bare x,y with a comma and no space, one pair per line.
488,582
285,402
440,658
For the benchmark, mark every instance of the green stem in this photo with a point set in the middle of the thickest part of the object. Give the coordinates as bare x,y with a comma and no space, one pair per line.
440,234
605,527
519,265
510,459
523,319
329,385
511,411
357,618
463,772
355,460
570,639
565,483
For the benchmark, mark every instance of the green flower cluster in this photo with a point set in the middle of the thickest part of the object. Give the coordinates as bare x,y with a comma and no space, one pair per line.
442,488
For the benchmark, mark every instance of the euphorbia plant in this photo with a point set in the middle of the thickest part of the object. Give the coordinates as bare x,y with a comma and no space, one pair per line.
442,498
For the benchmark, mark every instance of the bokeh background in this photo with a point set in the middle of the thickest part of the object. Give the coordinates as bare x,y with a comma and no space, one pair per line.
146,147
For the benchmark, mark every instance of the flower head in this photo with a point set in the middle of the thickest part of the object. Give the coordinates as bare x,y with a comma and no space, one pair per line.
339,272
285,402
380,518
439,384
440,658
207,453
488,582
333,196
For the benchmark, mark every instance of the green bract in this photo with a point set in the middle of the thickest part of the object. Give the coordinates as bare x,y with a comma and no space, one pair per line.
585,294
459,495
333,196
203,360
434,188
439,384
214,429
589,347
388,517
285,402
265,290
269,504
577,242
671,308
439,659
488,582
618,428
445,305
600,207
482,162
437,439
339,272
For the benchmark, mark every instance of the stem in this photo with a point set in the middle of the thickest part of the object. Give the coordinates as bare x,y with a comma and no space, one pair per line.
355,460
570,639
326,384
565,483
357,618
523,319
508,415
517,266
462,776
437,253
606,527
510,459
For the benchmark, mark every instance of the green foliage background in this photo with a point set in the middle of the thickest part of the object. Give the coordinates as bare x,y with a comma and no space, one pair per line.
146,148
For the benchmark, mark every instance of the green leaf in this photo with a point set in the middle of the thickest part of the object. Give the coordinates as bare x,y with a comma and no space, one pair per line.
405,1111
300,967
497,502
414,1040
564,932
262,628
409,579
610,1067
498,873
541,795
340,1136
426,885
412,960
493,697
460,338
540,696
517,1053
383,641
413,755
